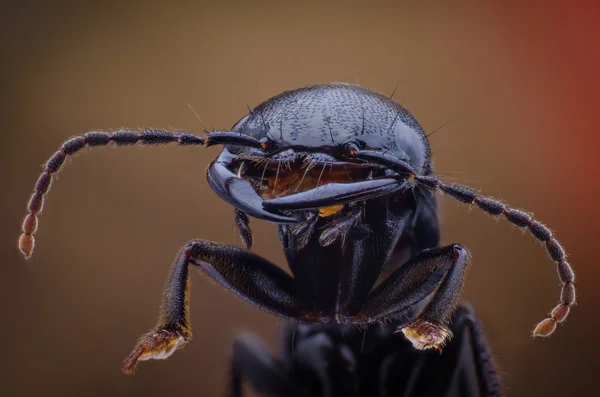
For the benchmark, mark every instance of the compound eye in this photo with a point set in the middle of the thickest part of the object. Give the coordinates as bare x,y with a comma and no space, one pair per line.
351,149
266,144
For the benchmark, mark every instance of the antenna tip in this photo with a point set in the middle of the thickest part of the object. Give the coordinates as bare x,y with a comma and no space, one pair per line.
545,328
26,244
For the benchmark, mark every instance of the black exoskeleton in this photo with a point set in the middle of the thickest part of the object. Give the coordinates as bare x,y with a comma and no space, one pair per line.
344,361
346,174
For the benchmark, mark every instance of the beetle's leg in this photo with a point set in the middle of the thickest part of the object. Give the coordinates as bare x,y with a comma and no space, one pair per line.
123,137
240,193
249,276
266,374
335,194
331,365
243,225
428,331
424,292
465,368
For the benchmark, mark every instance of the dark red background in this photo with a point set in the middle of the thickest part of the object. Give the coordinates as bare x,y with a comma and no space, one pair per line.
519,83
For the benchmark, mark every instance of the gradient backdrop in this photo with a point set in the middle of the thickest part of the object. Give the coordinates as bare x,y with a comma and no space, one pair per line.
518,83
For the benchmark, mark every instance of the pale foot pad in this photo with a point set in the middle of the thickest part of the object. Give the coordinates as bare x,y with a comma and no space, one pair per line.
425,335
157,344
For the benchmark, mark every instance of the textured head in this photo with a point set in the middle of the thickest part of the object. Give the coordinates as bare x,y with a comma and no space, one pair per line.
321,119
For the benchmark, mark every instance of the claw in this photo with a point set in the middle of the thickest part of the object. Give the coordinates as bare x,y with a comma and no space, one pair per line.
335,194
240,193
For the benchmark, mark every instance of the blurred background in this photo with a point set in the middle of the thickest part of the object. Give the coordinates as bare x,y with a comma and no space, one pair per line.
517,83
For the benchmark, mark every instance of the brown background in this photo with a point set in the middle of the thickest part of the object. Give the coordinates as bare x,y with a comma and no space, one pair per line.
519,84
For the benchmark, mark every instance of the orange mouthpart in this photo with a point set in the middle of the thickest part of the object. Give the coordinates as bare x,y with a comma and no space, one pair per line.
290,182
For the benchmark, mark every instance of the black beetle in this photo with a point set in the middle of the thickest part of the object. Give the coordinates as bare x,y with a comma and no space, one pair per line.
343,361
347,175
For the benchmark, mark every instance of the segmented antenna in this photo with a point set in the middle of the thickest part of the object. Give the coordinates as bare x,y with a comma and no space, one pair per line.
123,137
523,221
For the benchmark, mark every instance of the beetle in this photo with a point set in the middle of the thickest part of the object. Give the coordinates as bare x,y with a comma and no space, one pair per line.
346,174
342,360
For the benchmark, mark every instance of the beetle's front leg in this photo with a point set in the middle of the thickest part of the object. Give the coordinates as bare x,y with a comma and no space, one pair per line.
430,329
465,368
424,292
249,276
